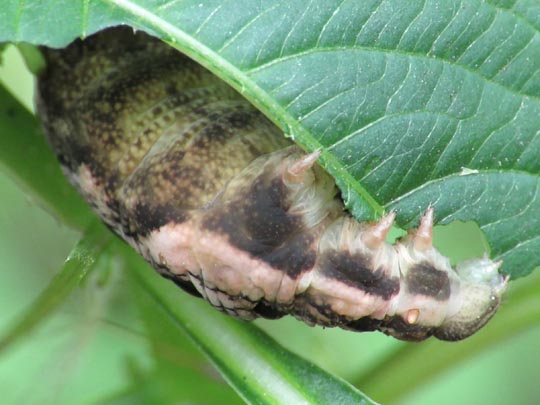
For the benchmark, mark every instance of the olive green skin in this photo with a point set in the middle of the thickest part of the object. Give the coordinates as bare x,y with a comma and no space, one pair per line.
216,199
133,113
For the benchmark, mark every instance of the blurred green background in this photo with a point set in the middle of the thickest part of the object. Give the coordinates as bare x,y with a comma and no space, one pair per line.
95,345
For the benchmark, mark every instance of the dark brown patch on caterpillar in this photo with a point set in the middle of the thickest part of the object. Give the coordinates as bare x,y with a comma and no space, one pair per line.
424,279
394,326
259,223
147,216
268,311
365,324
398,327
355,270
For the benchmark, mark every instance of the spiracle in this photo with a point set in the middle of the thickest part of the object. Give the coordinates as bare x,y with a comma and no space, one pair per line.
216,199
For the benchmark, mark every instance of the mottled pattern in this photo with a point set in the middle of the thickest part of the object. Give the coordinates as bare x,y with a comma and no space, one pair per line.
158,134
216,199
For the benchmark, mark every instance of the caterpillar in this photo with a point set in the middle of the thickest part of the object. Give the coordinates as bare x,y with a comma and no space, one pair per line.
217,200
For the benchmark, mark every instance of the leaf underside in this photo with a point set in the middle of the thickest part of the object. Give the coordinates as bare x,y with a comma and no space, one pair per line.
413,103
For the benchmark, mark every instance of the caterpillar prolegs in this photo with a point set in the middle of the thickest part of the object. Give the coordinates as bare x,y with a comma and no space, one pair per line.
217,200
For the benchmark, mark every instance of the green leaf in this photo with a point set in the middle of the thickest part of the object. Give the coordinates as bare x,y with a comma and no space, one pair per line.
79,263
257,367
404,98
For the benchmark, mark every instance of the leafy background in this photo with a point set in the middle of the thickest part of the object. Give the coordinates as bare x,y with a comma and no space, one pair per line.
446,86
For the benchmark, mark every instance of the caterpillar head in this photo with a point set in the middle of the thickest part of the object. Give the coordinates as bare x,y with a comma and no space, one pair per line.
436,299
477,301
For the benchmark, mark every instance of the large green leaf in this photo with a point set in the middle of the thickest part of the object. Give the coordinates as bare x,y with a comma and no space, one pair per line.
414,103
